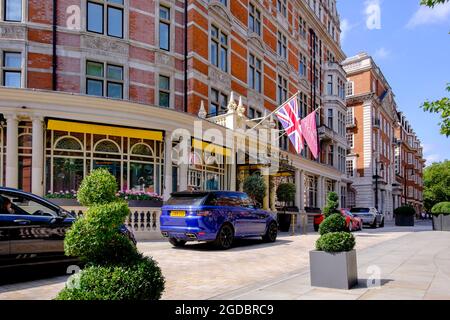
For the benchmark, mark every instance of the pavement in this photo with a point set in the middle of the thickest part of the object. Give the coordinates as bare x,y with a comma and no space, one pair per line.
393,263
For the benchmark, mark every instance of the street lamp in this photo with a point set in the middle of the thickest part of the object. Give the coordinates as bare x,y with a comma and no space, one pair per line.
376,177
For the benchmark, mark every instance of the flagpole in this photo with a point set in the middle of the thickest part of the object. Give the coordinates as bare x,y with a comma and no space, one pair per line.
270,114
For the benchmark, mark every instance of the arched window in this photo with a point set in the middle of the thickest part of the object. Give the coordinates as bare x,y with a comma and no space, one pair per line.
107,146
68,164
68,143
141,149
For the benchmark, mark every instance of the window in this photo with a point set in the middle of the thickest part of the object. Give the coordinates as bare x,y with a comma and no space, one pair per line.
164,28
350,140
341,89
254,19
330,118
302,26
350,169
218,103
224,2
101,83
303,105
341,124
281,7
13,10
283,143
282,90
219,49
12,69
350,88
106,14
330,85
254,114
164,91
282,45
342,159
254,73
302,65
331,155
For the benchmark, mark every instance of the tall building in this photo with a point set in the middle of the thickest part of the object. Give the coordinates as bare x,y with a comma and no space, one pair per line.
103,83
376,135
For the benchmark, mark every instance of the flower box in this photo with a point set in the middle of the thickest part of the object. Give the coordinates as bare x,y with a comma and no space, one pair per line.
333,270
64,202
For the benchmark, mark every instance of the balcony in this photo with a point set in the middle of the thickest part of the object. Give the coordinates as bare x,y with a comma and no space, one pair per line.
325,133
350,122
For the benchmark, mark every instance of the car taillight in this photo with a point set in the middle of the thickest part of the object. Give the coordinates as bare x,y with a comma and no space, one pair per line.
203,213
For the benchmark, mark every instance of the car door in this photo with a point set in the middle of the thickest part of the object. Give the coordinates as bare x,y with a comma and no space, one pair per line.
4,240
256,217
35,229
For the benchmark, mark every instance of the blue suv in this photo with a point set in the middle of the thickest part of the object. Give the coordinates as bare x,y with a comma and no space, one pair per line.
215,216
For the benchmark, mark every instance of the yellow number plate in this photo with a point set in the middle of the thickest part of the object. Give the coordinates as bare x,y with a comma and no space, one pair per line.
177,213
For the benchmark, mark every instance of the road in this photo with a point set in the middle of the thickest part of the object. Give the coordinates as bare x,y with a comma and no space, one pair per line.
198,271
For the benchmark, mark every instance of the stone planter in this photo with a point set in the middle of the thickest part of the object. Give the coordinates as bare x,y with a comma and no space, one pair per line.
404,221
145,203
333,270
441,222
284,221
65,202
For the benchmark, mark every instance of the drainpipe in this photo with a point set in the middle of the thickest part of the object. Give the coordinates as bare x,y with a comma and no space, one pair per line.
185,56
55,38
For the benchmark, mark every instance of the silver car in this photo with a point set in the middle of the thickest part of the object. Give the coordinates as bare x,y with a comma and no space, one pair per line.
369,216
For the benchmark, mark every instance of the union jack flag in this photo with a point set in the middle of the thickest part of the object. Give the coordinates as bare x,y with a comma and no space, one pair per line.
289,117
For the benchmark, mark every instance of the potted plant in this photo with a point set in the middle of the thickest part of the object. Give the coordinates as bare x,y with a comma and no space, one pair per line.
441,216
332,204
63,198
333,264
138,199
255,187
286,194
404,216
115,270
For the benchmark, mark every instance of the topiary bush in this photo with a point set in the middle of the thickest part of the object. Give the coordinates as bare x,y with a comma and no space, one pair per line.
334,223
99,187
255,187
140,281
336,242
332,204
441,208
405,211
115,269
286,193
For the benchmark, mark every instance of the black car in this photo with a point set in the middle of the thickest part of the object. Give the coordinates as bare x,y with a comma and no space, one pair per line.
32,230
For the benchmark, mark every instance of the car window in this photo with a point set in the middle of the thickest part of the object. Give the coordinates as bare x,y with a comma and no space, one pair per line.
246,202
186,200
360,210
228,200
21,205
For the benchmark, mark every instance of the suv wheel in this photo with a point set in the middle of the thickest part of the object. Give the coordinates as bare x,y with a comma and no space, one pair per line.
225,237
374,224
177,243
271,233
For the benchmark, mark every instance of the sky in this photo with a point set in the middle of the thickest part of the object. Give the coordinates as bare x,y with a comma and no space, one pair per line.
411,45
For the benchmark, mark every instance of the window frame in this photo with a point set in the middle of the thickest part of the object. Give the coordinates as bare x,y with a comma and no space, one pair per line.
217,103
253,70
5,69
104,79
166,91
217,40
166,22
282,45
106,5
255,15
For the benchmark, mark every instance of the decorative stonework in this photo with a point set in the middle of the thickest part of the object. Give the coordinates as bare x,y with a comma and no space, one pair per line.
219,79
12,32
163,59
219,10
105,44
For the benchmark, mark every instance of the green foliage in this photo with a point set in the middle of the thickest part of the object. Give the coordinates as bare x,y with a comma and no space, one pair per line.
432,3
406,210
441,208
255,187
442,107
436,181
332,204
286,192
334,223
115,269
140,281
99,187
336,242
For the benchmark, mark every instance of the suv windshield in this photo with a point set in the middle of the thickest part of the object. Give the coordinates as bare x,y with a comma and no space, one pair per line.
186,200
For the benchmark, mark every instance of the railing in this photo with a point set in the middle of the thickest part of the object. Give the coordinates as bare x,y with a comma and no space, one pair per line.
144,222
325,133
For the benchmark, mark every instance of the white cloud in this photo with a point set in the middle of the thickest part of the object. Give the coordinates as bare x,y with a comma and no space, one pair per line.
433,158
382,53
425,15
345,28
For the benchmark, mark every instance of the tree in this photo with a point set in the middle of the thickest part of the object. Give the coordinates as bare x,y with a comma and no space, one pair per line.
332,204
436,181
441,106
255,187
286,193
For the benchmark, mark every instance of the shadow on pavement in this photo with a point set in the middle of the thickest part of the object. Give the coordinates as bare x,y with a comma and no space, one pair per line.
369,283
46,273
239,245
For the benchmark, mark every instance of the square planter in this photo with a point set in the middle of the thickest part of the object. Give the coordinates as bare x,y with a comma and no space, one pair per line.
404,221
284,221
333,270
441,223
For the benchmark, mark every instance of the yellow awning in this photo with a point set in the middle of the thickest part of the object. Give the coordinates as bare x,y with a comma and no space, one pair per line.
210,147
104,130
